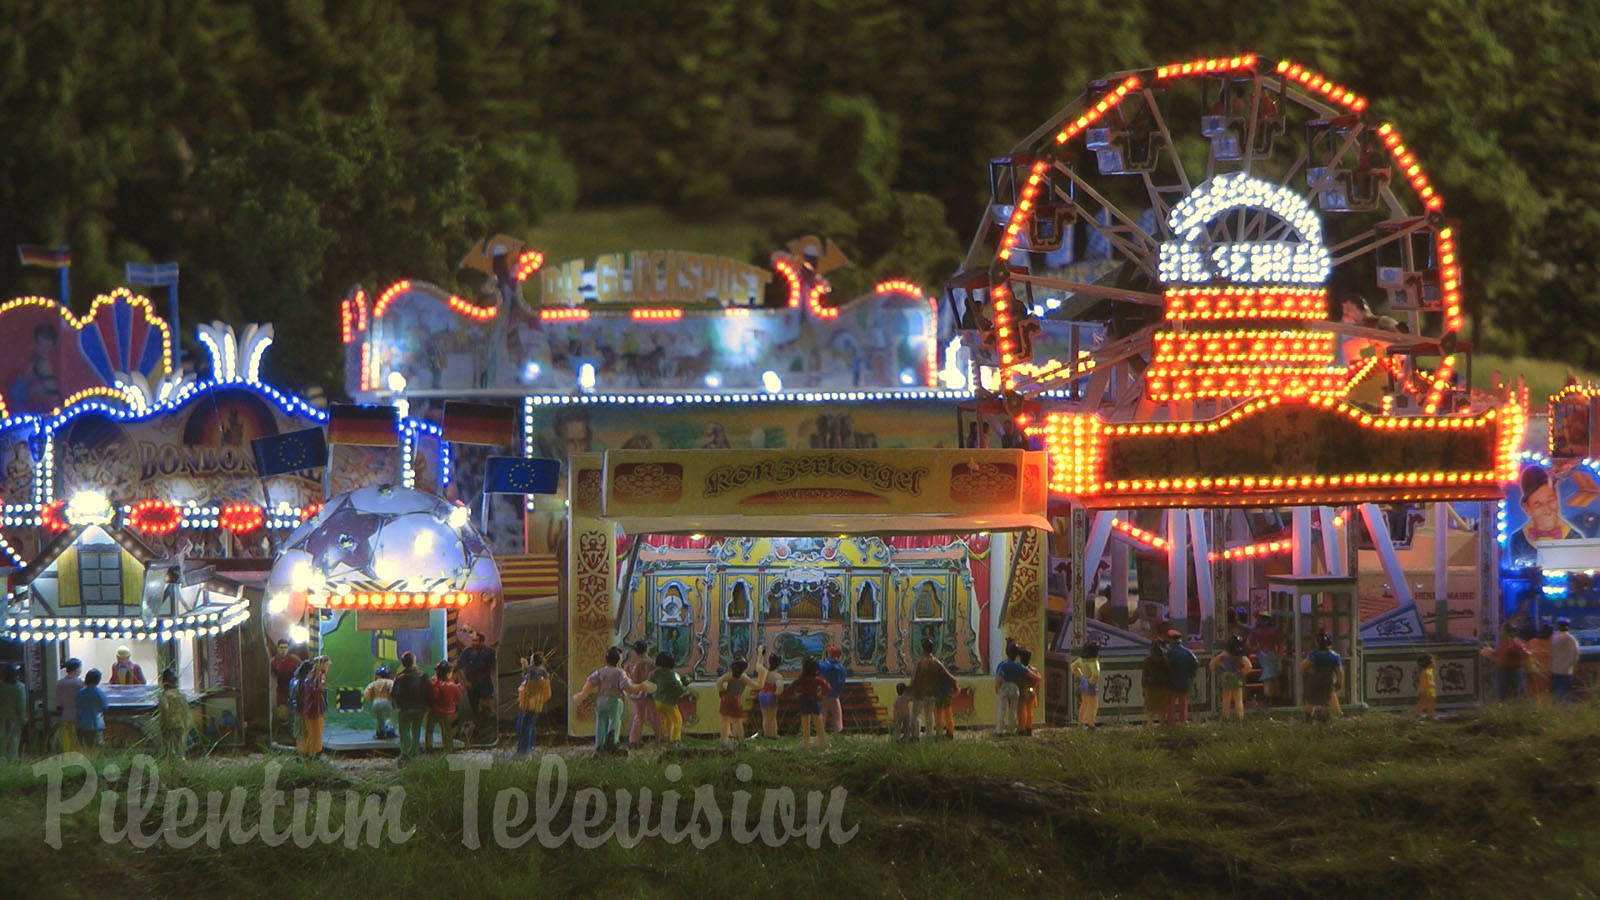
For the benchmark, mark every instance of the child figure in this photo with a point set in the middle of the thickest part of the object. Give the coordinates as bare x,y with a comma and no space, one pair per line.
905,724
532,695
1233,666
1427,687
92,703
172,715
730,700
1086,671
1324,676
442,705
811,689
1008,690
666,688
608,685
1030,693
1153,679
767,697
377,693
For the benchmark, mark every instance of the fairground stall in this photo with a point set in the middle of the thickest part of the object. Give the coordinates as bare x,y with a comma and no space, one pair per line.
712,554
660,350
1244,435
135,515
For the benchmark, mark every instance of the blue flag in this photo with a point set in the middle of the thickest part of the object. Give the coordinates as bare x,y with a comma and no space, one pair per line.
151,274
293,451
515,475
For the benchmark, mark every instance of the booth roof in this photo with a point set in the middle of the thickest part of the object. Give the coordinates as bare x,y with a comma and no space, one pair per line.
826,525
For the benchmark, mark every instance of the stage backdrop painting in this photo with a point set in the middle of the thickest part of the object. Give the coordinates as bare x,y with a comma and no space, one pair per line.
54,355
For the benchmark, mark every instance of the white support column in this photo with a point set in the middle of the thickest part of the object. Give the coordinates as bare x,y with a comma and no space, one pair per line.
1332,546
1243,570
999,566
1178,570
1203,583
1488,570
1301,540
1441,572
1099,536
1378,527
1119,584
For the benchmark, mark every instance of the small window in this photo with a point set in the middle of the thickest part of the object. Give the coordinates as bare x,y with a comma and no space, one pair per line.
738,609
100,575
868,622
672,606
928,606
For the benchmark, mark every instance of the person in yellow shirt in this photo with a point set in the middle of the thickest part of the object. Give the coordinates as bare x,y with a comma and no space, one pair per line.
1427,687
1085,671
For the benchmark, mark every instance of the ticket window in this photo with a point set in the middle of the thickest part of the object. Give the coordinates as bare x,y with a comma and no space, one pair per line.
100,653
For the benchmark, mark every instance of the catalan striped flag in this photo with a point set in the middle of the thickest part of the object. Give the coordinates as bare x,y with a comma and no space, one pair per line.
44,257
366,426
480,423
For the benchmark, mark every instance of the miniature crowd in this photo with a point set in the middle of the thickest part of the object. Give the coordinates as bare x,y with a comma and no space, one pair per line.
81,705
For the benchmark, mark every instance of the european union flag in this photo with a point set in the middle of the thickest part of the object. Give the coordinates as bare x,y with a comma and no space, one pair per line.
291,452
516,475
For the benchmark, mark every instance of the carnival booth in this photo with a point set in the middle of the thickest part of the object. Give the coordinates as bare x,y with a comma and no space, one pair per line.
377,573
709,555
1247,437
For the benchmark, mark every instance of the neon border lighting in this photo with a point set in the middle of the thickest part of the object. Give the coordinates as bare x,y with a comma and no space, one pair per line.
1315,83
393,600
471,311
1242,346
930,334
165,628
77,323
1308,304
1207,66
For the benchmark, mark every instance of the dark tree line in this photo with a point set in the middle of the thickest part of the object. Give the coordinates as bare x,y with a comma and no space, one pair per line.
281,151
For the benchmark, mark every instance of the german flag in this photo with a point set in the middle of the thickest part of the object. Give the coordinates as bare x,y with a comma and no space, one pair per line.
44,257
366,426
480,423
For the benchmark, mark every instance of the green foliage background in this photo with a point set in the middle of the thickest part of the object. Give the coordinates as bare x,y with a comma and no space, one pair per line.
281,151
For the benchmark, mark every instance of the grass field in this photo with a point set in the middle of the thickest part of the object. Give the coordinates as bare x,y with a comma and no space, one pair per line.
1498,803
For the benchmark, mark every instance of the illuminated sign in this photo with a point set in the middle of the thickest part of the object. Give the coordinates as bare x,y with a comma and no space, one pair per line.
1192,260
654,277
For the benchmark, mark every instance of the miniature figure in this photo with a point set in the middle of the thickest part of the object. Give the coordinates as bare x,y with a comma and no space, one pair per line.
13,711
833,672
1324,672
125,670
905,724
1233,667
283,665
730,700
313,707
92,704
767,697
377,693
67,705
478,667
1267,641
532,695
1154,681
1427,687
302,673
810,689
1085,671
638,668
1181,666
1028,704
1510,655
442,705
172,716
608,684
1563,660
666,688
1008,690
930,683
1539,666
410,695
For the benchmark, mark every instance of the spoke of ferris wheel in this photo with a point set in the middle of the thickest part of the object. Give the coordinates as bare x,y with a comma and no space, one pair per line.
1340,257
1151,245
1166,138
1093,290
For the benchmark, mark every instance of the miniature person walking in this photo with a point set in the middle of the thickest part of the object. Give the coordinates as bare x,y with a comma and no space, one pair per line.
1563,660
378,693
67,705
173,716
1181,666
479,667
767,697
810,689
1085,672
410,696
1232,666
92,705
833,673
1154,680
532,695
1427,687
313,707
1029,702
1324,674
638,667
731,686
905,722
608,685
1008,690
13,711
443,699
666,688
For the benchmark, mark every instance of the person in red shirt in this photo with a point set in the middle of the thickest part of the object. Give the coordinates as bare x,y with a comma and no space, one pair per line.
283,665
442,708
811,689
1510,656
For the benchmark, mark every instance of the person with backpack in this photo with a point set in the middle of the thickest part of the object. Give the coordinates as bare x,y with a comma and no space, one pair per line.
532,695
410,696
301,673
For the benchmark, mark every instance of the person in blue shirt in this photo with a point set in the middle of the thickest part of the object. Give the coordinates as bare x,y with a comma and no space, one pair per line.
1008,678
92,704
832,672
1181,666
1324,674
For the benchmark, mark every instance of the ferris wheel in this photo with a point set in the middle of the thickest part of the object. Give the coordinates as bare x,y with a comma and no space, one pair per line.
1189,181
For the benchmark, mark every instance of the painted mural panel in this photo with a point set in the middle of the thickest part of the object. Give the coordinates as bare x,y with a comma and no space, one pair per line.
55,355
